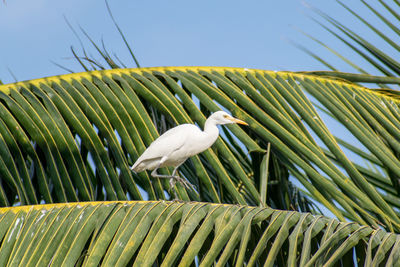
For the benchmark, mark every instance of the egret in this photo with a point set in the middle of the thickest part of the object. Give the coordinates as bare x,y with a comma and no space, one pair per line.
178,144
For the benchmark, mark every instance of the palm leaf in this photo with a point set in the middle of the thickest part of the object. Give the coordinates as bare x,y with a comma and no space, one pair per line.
384,29
181,234
75,136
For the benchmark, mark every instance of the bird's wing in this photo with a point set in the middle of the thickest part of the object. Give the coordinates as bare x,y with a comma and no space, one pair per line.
168,142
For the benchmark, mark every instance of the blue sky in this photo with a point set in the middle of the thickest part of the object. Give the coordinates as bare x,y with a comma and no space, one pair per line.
251,34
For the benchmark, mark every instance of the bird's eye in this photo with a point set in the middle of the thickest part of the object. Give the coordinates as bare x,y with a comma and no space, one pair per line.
225,116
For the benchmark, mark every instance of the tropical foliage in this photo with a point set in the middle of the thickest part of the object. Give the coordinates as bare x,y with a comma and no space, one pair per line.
178,234
73,138
318,143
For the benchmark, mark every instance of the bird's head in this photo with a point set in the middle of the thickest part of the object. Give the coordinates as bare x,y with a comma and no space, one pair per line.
221,117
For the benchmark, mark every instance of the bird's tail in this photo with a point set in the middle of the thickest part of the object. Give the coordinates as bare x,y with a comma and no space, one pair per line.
133,169
137,167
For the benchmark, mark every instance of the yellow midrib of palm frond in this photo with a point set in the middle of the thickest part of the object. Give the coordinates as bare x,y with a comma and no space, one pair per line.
5,88
27,208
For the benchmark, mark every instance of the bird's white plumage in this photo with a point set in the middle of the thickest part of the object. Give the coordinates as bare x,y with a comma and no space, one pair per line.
178,144
173,144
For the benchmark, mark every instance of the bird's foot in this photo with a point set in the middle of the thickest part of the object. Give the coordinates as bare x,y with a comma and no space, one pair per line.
172,183
182,181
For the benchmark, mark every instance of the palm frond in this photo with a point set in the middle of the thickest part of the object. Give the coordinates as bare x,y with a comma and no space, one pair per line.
180,234
384,29
76,135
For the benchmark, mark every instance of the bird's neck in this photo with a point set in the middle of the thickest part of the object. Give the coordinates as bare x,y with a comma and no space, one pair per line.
211,132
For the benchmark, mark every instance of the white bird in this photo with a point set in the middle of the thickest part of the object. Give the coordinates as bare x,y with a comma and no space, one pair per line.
178,144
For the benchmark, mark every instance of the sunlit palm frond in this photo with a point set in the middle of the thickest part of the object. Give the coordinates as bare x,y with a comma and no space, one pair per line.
73,137
181,234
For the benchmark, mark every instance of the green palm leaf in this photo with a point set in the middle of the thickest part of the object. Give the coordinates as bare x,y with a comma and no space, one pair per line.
179,234
75,136
384,29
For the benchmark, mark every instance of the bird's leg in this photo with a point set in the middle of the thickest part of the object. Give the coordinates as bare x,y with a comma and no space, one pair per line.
171,181
174,171
154,172
186,183
156,175
172,177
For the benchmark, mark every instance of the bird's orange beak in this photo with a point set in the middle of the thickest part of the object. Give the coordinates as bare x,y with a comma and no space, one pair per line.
237,121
